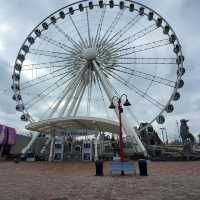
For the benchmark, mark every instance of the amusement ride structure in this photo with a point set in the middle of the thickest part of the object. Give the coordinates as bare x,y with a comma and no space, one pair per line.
73,62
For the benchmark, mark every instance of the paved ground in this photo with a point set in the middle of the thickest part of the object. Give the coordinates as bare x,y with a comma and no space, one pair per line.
75,180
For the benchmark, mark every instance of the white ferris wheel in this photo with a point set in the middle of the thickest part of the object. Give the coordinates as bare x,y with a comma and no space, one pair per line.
80,56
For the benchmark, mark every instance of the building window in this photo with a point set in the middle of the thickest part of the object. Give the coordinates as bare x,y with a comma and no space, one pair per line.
58,146
87,145
86,156
78,149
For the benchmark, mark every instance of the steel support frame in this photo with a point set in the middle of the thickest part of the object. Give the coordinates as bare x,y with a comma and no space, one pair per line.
128,130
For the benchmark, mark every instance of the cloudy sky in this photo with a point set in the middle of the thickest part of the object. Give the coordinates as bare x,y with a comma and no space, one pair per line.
19,17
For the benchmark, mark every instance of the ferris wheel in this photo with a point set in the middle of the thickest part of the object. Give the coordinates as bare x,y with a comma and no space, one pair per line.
80,56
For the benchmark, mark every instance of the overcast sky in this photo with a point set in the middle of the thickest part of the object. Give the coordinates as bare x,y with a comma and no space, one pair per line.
19,17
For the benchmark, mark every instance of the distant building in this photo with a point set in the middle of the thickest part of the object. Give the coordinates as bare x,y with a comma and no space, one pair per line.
11,143
199,138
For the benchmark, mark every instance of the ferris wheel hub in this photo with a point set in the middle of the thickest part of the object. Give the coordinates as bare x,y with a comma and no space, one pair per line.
90,54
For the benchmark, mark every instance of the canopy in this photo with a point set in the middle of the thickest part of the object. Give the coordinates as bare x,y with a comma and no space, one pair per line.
59,125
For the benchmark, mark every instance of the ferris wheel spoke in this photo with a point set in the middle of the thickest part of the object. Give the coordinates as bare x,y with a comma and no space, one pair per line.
44,63
108,29
66,57
41,95
143,47
89,93
41,99
54,100
136,36
111,27
58,103
127,40
77,31
67,90
107,48
46,79
147,76
157,42
133,116
75,96
131,39
69,65
47,91
78,102
102,96
79,98
70,94
56,43
88,28
47,55
146,63
145,60
42,67
126,28
41,78
49,52
67,36
99,28
137,90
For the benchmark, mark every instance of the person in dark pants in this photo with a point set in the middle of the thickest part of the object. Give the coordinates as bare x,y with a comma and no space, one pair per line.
99,167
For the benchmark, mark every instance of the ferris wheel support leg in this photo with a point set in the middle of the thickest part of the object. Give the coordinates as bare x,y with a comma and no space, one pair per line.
132,134
51,153
96,148
126,126
28,146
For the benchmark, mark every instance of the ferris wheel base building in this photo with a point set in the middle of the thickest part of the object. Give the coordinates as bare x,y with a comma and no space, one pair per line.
78,138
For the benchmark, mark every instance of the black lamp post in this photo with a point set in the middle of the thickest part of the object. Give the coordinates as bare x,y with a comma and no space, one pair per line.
120,109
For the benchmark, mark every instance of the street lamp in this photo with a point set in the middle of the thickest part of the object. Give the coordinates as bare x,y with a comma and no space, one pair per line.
120,109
